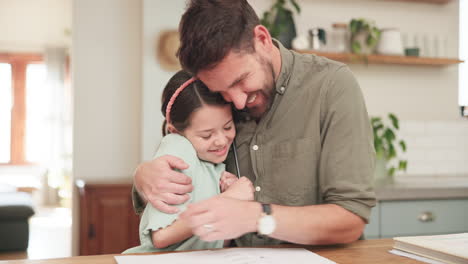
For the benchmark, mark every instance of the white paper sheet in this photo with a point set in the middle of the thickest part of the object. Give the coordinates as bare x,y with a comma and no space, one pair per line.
230,256
414,256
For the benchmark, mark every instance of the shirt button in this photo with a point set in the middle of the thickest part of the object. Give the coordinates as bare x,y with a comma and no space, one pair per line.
258,188
255,147
282,89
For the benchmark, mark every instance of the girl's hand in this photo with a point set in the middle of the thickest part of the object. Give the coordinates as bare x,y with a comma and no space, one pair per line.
226,180
241,189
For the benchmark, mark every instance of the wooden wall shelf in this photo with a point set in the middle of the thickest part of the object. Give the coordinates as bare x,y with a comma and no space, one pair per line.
385,59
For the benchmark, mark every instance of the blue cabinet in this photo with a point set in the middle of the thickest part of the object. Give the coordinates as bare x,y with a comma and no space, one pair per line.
417,217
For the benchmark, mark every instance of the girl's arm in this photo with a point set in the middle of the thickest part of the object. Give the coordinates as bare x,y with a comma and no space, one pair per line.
179,230
176,232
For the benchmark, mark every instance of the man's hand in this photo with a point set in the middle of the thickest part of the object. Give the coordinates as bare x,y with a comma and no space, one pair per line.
241,189
221,218
158,183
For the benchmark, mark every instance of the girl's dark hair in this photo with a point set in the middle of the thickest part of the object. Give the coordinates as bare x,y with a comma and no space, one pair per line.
188,101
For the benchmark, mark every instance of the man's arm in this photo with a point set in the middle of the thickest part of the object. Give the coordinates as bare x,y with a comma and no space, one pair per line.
310,225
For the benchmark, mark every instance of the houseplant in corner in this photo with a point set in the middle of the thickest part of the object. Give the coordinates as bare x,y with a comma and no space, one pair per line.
279,21
386,146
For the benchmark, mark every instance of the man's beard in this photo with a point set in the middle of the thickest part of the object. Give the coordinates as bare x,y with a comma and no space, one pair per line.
267,91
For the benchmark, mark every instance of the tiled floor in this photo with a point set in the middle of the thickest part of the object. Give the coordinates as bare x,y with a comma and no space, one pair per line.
49,237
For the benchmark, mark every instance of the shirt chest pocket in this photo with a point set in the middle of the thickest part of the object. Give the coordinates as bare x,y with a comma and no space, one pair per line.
291,170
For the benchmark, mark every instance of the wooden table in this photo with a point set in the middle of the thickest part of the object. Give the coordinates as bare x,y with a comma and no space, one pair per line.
363,252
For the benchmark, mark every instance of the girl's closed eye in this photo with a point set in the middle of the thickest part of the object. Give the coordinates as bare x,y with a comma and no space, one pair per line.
207,136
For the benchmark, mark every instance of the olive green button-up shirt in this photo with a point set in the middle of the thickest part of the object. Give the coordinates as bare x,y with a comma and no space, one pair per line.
314,145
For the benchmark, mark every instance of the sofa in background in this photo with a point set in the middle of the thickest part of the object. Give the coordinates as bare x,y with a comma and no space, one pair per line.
15,210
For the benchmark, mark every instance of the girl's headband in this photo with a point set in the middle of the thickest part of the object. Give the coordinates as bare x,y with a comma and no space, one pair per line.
174,96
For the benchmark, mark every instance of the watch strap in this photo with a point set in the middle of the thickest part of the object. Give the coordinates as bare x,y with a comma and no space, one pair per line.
266,208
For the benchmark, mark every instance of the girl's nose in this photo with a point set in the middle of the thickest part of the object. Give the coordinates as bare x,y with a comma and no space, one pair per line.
221,140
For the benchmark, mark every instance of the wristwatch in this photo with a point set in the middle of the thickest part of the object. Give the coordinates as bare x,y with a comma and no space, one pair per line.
266,222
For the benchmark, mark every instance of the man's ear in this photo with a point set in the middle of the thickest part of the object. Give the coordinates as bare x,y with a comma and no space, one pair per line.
262,38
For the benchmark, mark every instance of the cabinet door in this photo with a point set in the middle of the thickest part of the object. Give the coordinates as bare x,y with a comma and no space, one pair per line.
112,226
372,230
428,217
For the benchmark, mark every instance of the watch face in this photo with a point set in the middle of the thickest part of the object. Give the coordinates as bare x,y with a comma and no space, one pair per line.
266,225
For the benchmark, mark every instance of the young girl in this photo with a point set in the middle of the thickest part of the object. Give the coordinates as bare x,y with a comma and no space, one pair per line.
200,131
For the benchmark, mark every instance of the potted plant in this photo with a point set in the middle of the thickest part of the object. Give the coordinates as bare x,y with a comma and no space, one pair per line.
364,36
280,22
386,145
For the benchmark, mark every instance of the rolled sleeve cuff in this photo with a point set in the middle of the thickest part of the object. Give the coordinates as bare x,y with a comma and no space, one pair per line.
357,207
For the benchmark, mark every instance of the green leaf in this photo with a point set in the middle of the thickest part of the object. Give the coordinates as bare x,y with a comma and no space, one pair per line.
355,26
375,119
403,145
296,6
376,32
391,171
402,165
371,41
378,144
391,152
389,135
394,120
356,47
405,165
378,127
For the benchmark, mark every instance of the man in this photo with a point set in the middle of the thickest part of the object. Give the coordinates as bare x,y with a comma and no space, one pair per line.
305,143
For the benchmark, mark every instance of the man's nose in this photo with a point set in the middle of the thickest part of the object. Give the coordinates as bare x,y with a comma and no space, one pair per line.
237,97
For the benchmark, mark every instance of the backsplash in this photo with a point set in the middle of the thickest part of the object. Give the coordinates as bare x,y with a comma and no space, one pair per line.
435,147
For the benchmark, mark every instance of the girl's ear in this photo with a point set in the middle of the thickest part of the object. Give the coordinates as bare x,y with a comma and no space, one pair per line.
172,129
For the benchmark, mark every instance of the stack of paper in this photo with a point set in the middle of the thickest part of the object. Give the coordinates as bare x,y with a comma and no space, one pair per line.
446,248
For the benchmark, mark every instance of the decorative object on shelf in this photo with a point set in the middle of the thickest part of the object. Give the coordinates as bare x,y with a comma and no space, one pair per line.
318,38
338,38
412,52
464,111
279,21
167,46
390,42
301,42
385,141
364,36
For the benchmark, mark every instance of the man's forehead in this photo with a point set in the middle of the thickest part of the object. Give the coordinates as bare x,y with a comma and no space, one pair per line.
225,73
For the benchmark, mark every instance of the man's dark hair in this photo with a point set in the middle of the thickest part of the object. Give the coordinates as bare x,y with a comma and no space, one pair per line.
209,29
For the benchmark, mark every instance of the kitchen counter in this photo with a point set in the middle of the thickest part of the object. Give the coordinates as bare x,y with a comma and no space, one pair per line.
409,187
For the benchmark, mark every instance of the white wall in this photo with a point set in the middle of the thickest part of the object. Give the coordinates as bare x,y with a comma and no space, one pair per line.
158,15
106,66
30,25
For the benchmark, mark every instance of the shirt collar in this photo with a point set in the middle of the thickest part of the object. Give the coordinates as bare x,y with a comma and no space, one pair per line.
287,61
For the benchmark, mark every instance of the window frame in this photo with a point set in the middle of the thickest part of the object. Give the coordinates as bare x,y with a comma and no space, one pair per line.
19,63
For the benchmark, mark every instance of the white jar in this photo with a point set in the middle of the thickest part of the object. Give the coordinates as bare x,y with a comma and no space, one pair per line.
390,42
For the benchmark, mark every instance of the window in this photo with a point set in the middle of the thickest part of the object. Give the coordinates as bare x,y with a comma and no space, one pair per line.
6,105
20,75
463,69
